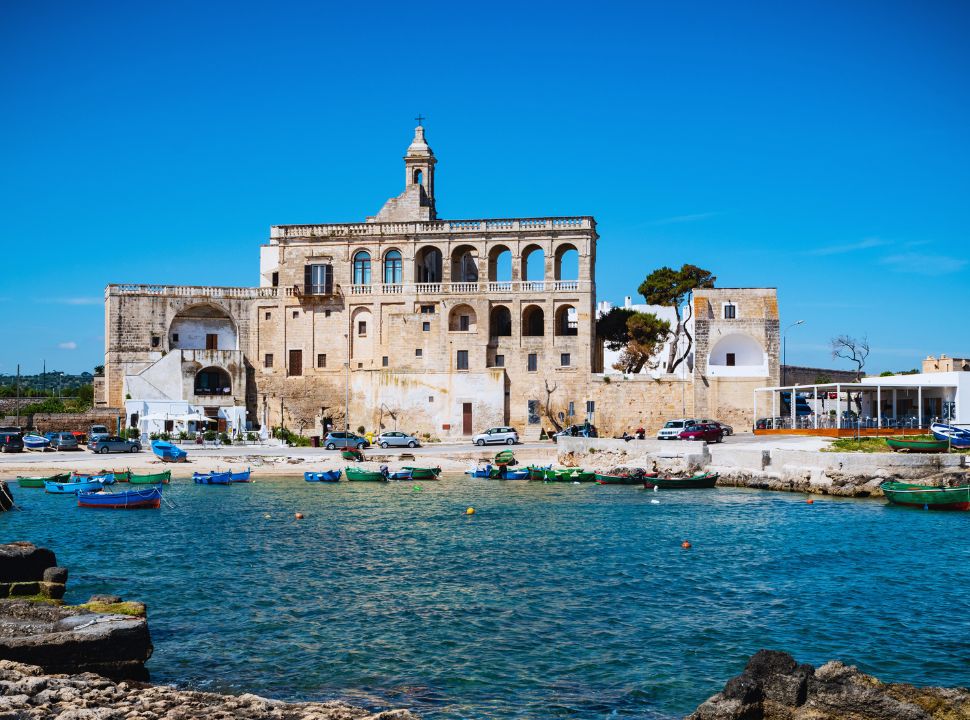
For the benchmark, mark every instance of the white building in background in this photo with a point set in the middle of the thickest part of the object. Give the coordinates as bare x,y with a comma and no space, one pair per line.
657,365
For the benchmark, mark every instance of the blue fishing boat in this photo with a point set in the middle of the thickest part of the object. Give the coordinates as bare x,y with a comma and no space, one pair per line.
168,452
149,498
72,488
325,476
36,442
514,474
957,437
240,476
212,478
481,471
105,478
398,475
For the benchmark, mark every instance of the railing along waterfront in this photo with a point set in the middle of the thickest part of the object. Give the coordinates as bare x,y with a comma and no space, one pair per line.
497,225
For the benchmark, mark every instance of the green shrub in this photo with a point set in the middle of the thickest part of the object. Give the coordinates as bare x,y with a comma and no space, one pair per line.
361,430
132,433
224,439
210,435
252,437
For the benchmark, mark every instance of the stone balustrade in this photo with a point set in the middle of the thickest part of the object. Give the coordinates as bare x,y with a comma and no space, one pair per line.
444,227
245,293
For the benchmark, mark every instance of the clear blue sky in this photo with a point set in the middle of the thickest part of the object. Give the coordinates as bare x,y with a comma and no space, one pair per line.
821,148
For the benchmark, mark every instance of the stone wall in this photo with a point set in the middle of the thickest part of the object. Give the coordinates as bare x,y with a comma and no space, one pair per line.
67,422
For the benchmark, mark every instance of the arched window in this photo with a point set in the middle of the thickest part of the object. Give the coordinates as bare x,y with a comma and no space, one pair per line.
392,268
533,321
362,268
212,381
500,322
418,177
567,321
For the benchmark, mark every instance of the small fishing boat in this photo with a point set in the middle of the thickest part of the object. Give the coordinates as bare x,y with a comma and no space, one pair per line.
569,475
167,452
505,457
957,437
400,475
212,478
930,497
352,455
922,444
361,475
325,476
521,474
702,480
6,497
423,473
105,477
537,472
38,482
626,479
36,442
142,498
161,478
240,477
481,471
119,476
71,488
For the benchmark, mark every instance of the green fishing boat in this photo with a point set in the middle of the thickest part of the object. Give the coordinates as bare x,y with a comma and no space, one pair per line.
38,482
361,475
920,444
423,473
353,455
931,497
568,475
536,473
635,479
704,480
505,457
162,478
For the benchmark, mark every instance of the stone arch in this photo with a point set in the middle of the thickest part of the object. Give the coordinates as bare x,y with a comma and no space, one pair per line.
499,322
427,265
737,355
393,263
500,264
418,176
567,321
212,380
363,333
533,321
361,268
535,257
462,318
194,326
464,264
566,262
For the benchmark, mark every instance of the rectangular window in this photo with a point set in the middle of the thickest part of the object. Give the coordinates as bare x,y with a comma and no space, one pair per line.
175,337
296,313
156,341
268,315
499,361
564,359
362,328
533,362
268,360
326,313
384,361
276,279
426,327
463,323
590,406
296,363
462,363
318,279
572,409
427,309
211,341
730,311
321,360
418,352
730,360
533,412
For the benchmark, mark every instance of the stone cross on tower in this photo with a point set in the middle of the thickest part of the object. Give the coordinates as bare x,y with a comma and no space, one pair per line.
420,118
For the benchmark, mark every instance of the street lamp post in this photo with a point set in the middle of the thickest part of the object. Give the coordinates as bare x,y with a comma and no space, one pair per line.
784,353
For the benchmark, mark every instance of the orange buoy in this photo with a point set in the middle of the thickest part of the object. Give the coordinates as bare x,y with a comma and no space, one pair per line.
810,501
298,516
685,545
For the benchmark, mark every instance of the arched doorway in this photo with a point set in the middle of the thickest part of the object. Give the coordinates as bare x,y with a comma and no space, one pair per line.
500,322
533,321
534,266
464,264
212,381
567,321
427,265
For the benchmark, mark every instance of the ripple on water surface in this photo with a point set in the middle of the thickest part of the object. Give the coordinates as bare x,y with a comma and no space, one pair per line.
553,600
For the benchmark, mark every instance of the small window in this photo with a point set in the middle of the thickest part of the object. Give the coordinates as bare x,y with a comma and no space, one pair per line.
175,337
360,365
296,313
463,323
572,409
427,309
462,363
321,360
156,341
384,361
362,328
212,341
268,315
533,362
499,361
730,311
564,359
430,398
418,352
426,327
590,406
533,412
730,360
326,313
276,279
268,360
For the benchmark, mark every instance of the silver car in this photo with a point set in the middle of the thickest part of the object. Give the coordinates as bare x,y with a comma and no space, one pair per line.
505,435
63,441
397,439
113,443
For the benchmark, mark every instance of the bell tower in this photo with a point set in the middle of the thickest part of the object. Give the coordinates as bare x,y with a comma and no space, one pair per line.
417,200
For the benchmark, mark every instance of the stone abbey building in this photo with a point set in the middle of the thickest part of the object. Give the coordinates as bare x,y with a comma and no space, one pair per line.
408,320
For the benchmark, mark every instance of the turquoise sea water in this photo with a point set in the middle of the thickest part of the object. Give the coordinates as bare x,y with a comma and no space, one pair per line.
552,601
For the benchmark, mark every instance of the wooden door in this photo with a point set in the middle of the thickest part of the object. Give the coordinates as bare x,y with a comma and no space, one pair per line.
466,418
296,363
211,341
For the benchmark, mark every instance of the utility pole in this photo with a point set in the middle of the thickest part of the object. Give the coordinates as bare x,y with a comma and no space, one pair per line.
17,401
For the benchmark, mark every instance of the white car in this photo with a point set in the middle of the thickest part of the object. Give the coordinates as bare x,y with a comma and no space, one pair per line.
395,438
673,428
505,435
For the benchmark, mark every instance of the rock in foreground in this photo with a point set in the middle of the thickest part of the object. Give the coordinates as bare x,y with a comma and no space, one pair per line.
775,687
26,692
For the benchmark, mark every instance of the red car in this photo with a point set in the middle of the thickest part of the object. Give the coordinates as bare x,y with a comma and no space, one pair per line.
711,433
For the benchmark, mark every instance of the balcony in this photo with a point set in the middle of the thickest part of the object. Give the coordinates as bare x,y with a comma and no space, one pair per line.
443,227
474,288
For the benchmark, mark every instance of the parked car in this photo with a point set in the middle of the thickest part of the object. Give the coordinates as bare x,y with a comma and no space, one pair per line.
97,432
728,430
581,430
395,438
708,432
11,441
673,428
113,443
343,440
505,435
80,437
62,441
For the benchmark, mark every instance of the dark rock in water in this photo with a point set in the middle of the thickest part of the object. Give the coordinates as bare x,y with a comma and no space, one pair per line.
106,599
775,687
56,575
74,639
23,561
